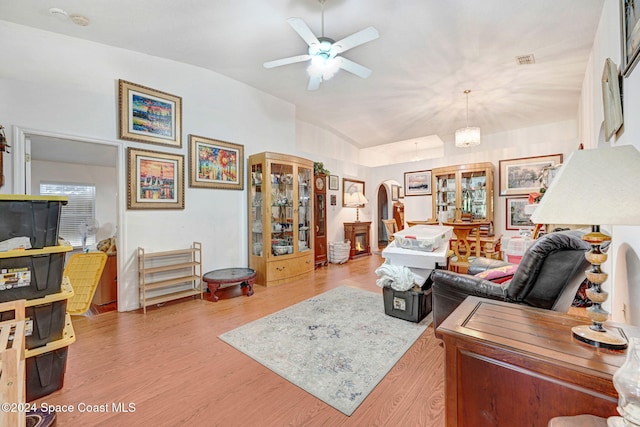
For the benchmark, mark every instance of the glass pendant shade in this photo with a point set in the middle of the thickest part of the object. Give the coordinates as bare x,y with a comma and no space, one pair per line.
468,137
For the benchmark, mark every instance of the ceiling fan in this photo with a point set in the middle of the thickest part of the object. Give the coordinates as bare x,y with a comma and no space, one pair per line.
323,52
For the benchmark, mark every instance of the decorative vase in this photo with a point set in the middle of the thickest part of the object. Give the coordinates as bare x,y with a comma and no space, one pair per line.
626,380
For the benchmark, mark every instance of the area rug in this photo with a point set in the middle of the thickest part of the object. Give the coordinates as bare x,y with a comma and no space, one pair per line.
336,346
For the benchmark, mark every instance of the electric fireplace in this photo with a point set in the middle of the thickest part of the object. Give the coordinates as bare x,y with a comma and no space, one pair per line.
358,234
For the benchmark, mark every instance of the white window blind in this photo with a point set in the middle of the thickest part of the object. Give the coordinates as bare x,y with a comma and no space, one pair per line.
80,209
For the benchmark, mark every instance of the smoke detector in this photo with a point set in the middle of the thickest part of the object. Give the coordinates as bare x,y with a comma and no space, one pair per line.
58,13
83,21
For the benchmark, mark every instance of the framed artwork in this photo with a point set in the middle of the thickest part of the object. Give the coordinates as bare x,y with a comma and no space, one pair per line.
630,34
401,195
519,177
517,219
333,182
333,200
611,100
351,186
215,164
417,183
395,192
155,180
148,115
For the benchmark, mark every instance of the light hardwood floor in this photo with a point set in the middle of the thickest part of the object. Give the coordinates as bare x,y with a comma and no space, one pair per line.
170,365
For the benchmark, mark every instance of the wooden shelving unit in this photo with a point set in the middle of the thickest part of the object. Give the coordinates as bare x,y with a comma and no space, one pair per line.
169,275
12,364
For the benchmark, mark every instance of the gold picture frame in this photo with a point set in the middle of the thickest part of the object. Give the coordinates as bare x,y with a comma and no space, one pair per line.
519,177
611,100
351,186
149,115
215,164
155,180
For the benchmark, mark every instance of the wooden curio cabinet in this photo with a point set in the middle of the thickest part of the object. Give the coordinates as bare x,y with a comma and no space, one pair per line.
463,191
280,217
320,219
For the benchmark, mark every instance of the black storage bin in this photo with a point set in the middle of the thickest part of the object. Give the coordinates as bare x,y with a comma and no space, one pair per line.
45,373
36,217
29,274
408,305
44,317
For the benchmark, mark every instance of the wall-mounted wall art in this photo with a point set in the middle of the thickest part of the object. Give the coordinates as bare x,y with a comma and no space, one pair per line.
215,164
395,192
334,182
517,219
630,35
351,186
155,180
333,200
519,177
417,183
148,115
611,100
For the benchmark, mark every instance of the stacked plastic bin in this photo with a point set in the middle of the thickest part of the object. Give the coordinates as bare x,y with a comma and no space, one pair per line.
36,274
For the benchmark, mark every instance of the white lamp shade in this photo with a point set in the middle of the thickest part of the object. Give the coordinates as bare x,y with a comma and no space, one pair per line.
594,187
355,199
468,137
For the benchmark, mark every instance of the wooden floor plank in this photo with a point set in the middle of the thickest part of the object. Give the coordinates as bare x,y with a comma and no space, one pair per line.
172,367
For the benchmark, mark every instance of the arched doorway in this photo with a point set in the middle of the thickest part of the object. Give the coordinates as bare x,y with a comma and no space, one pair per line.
382,213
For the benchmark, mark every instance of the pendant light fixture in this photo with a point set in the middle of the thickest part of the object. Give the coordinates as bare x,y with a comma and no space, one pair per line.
468,136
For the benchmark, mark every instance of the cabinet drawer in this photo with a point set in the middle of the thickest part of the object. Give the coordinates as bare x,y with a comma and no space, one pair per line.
277,270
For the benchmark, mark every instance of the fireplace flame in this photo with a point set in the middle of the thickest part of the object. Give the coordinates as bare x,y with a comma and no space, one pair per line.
359,247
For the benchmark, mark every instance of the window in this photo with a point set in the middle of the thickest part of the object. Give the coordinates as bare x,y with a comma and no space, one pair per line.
78,216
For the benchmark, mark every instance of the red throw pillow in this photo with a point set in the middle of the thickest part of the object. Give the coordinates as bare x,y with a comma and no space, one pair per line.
499,274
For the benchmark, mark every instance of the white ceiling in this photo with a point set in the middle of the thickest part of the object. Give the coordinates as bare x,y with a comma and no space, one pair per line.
428,53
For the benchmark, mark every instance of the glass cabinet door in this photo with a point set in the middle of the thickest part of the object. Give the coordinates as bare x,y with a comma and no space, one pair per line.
446,197
256,209
304,208
282,211
474,194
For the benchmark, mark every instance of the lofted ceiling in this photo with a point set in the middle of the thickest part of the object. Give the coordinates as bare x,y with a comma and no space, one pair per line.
428,53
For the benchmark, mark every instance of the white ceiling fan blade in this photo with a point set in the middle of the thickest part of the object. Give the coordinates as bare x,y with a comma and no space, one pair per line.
314,82
356,39
286,61
303,30
354,67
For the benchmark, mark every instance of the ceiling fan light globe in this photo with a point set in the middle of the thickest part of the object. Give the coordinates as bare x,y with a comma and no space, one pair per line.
314,49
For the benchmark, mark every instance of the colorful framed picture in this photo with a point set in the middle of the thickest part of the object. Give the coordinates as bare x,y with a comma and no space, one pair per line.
215,164
517,219
155,180
630,34
334,182
148,115
417,183
350,186
519,177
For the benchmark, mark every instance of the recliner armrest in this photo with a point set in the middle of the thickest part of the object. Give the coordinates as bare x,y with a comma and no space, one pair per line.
481,264
467,284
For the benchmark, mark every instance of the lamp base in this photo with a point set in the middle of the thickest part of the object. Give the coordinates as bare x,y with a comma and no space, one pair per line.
611,338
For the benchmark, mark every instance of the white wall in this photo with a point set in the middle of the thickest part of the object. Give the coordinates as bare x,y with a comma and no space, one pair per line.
623,265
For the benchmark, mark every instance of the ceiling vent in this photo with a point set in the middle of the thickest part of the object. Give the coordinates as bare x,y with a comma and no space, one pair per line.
525,59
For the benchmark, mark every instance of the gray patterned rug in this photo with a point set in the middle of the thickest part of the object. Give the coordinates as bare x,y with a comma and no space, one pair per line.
336,346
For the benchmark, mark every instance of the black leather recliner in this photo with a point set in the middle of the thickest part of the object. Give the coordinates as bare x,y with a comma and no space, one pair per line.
548,277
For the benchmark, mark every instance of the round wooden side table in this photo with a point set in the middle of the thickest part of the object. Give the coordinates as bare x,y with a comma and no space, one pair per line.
215,279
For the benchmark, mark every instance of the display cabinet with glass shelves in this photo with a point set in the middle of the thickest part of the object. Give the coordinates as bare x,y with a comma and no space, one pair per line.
280,217
463,191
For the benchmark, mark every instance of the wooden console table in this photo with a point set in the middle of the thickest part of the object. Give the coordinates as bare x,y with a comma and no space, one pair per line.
513,365
358,234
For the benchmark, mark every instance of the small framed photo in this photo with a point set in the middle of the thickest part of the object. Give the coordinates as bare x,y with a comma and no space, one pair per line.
519,177
401,195
517,219
611,100
155,180
350,186
334,200
417,183
334,182
148,115
215,164
395,192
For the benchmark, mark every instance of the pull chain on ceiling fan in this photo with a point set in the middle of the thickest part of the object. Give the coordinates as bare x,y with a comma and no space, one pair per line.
323,52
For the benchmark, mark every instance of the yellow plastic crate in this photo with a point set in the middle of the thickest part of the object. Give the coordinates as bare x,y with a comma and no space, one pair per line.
84,272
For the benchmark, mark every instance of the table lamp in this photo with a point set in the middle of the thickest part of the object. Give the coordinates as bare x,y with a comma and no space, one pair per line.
355,199
596,187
